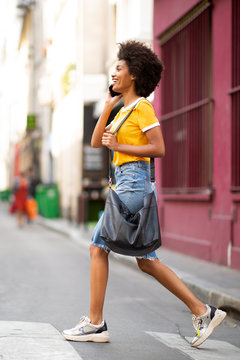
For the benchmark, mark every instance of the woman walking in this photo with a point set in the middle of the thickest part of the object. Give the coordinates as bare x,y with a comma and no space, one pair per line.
20,191
137,73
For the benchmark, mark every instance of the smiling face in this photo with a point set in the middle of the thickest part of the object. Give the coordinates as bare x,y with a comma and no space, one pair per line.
122,80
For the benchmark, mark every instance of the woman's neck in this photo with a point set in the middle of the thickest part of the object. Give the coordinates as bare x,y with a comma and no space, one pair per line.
129,97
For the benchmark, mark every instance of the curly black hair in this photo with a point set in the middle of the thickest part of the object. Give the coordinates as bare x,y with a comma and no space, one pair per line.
142,63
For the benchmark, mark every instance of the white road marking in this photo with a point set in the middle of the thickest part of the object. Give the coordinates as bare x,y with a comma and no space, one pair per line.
215,349
33,341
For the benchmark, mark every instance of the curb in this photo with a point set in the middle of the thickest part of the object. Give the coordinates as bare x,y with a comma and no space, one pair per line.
215,297
202,289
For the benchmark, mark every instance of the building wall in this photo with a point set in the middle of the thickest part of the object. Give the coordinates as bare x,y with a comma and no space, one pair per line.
95,35
205,227
221,217
14,89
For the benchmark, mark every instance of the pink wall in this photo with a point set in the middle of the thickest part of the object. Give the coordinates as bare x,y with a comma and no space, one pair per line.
204,228
166,14
221,207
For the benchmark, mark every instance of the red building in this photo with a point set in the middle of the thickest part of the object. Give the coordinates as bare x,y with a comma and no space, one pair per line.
198,103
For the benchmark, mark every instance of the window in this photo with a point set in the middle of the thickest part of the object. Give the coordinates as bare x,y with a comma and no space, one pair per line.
186,103
235,95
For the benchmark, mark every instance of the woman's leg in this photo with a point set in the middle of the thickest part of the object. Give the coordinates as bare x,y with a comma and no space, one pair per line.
172,282
98,282
20,218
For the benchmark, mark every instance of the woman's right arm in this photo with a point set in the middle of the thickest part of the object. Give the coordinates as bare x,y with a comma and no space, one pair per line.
100,127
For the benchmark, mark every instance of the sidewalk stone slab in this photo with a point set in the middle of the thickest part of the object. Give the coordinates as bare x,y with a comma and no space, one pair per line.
33,341
212,349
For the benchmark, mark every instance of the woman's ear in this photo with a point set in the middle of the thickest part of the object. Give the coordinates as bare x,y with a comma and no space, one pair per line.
133,77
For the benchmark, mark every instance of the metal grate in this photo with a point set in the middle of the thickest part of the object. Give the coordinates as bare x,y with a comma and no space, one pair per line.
186,107
235,94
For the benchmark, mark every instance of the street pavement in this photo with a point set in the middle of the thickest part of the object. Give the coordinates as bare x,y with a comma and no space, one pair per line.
44,288
214,284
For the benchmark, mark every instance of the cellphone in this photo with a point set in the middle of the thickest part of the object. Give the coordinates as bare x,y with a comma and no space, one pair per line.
112,92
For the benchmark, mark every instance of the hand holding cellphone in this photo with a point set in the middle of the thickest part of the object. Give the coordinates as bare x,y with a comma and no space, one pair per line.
112,92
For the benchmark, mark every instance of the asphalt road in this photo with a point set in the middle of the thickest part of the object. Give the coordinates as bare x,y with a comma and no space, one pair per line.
44,278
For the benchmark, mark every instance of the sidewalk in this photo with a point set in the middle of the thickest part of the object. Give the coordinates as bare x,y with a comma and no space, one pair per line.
213,284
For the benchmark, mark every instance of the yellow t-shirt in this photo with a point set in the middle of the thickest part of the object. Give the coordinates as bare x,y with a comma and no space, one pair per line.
132,132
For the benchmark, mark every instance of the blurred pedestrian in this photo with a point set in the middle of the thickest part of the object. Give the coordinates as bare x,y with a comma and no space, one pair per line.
20,191
137,73
31,204
32,182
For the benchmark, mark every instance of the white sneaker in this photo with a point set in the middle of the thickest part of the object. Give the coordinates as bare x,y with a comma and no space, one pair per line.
86,331
206,323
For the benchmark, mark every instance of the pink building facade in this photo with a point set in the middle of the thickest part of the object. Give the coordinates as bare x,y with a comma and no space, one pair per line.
198,104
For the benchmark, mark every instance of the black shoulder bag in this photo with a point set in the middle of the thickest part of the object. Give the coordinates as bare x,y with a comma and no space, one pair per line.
126,233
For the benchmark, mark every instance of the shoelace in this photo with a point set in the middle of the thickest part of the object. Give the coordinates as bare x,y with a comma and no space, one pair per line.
83,321
197,323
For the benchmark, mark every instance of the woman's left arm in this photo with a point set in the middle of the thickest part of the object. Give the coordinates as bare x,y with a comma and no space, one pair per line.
155,148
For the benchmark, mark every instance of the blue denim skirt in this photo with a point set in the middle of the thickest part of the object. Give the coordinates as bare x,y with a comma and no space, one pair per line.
132,184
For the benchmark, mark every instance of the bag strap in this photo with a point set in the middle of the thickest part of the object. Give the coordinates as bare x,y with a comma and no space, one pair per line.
152,167
152,170
125,118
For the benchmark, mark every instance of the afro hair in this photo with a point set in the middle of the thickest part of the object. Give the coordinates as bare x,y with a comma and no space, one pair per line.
142,63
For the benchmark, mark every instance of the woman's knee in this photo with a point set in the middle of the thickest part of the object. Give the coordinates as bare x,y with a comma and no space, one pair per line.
146,265
96,252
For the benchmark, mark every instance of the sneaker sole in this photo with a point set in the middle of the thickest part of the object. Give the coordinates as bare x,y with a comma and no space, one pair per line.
217,320
99,338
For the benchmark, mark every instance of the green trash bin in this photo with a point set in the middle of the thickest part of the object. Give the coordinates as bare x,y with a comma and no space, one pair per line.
5,195
40,198
51,202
